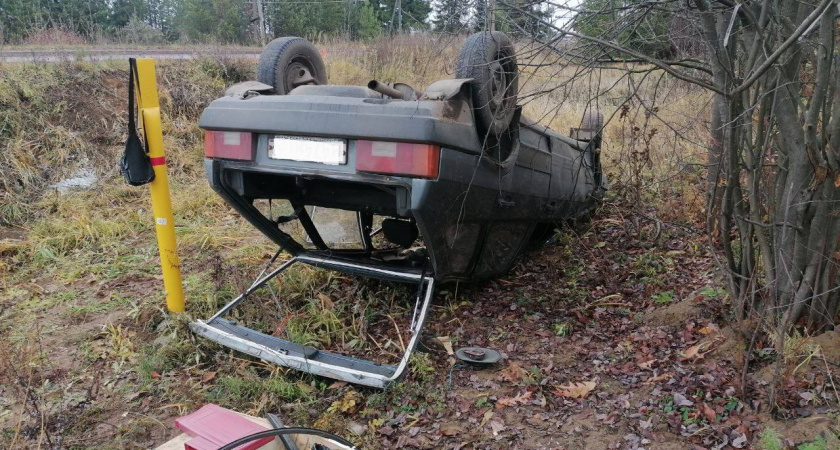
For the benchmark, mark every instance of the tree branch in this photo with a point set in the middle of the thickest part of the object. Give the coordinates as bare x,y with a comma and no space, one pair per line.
803,27
658,63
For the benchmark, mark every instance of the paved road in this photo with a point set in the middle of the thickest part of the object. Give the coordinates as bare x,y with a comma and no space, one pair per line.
46,56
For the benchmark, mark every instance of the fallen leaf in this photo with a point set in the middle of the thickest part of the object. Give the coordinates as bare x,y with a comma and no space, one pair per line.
305,387
699,350
356,428
681,400
155,375
837,180
512,373
446,343
660,377
451,429
348,403
709,329
740,441
326,302
520,399
693,352
487,416
208,376
497,426
709,413
647,365
337,385
575,390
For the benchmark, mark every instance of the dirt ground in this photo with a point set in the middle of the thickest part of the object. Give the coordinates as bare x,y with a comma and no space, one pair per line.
608,342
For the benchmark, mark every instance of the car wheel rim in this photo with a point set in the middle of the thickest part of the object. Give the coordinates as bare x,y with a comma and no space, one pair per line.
498,88
298,73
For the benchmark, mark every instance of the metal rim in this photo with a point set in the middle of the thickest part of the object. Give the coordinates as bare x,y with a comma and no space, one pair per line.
298,73
500,86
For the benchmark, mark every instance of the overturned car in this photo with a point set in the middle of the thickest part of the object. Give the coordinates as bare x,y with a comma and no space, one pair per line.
445,184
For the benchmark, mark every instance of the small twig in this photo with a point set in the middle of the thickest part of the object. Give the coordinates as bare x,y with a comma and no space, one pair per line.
607,304
831,379
399,333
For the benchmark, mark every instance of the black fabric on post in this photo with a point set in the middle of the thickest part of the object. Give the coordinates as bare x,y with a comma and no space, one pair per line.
134,164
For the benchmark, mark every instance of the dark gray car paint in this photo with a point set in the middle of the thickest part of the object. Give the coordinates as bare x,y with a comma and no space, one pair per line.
474,218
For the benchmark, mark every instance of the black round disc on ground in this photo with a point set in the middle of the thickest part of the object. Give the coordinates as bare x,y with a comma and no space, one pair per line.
489,58
478,355
289,62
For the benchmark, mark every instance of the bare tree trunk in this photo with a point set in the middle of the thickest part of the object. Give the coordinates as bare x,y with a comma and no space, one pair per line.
774,149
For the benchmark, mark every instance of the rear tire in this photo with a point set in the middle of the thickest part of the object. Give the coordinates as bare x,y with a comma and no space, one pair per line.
289,62
489,58
593,121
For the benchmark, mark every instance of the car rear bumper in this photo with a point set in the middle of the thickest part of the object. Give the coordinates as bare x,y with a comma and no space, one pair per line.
448,124
466,233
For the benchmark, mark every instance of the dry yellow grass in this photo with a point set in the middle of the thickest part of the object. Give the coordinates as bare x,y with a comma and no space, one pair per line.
656,131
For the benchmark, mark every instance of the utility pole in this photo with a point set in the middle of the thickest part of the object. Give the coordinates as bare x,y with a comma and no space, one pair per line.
396,14
347,8
399,16
261,15
491,15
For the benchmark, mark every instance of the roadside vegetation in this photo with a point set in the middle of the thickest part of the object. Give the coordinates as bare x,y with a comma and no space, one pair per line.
615,335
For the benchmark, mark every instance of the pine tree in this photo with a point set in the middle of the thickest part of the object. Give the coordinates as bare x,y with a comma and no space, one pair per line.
480,20
365,23
123,10
415,13
223,21
450,16
651,36
526,19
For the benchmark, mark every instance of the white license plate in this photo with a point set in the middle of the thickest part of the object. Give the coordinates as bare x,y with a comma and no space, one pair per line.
308,149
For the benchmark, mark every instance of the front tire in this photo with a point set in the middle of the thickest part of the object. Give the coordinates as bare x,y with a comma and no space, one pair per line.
489,58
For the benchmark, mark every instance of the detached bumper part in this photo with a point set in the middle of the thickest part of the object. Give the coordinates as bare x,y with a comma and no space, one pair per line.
308,359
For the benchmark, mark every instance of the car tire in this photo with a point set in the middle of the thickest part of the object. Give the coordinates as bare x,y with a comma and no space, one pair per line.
542,233
489,58
593,121
288,62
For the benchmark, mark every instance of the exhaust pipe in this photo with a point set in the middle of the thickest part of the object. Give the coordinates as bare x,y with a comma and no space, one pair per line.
384,89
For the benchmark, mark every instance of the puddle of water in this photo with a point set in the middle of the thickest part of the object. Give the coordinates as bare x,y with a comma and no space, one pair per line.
12,234
83,178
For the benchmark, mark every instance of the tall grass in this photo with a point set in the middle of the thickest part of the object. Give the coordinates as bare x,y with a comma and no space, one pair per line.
656,131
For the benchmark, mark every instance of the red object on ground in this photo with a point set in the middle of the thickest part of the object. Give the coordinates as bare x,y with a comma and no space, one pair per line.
213,426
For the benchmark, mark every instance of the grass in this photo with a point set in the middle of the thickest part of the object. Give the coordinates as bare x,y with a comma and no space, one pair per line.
663,297
769,439
85,274
250,388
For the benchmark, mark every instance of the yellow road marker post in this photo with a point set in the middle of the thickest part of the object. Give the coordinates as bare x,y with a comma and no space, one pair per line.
148,105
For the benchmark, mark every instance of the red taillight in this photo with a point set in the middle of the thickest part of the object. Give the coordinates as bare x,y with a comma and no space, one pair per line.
228,145
398,158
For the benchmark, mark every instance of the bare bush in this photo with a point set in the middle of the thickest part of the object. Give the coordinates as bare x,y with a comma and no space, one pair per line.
774,150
